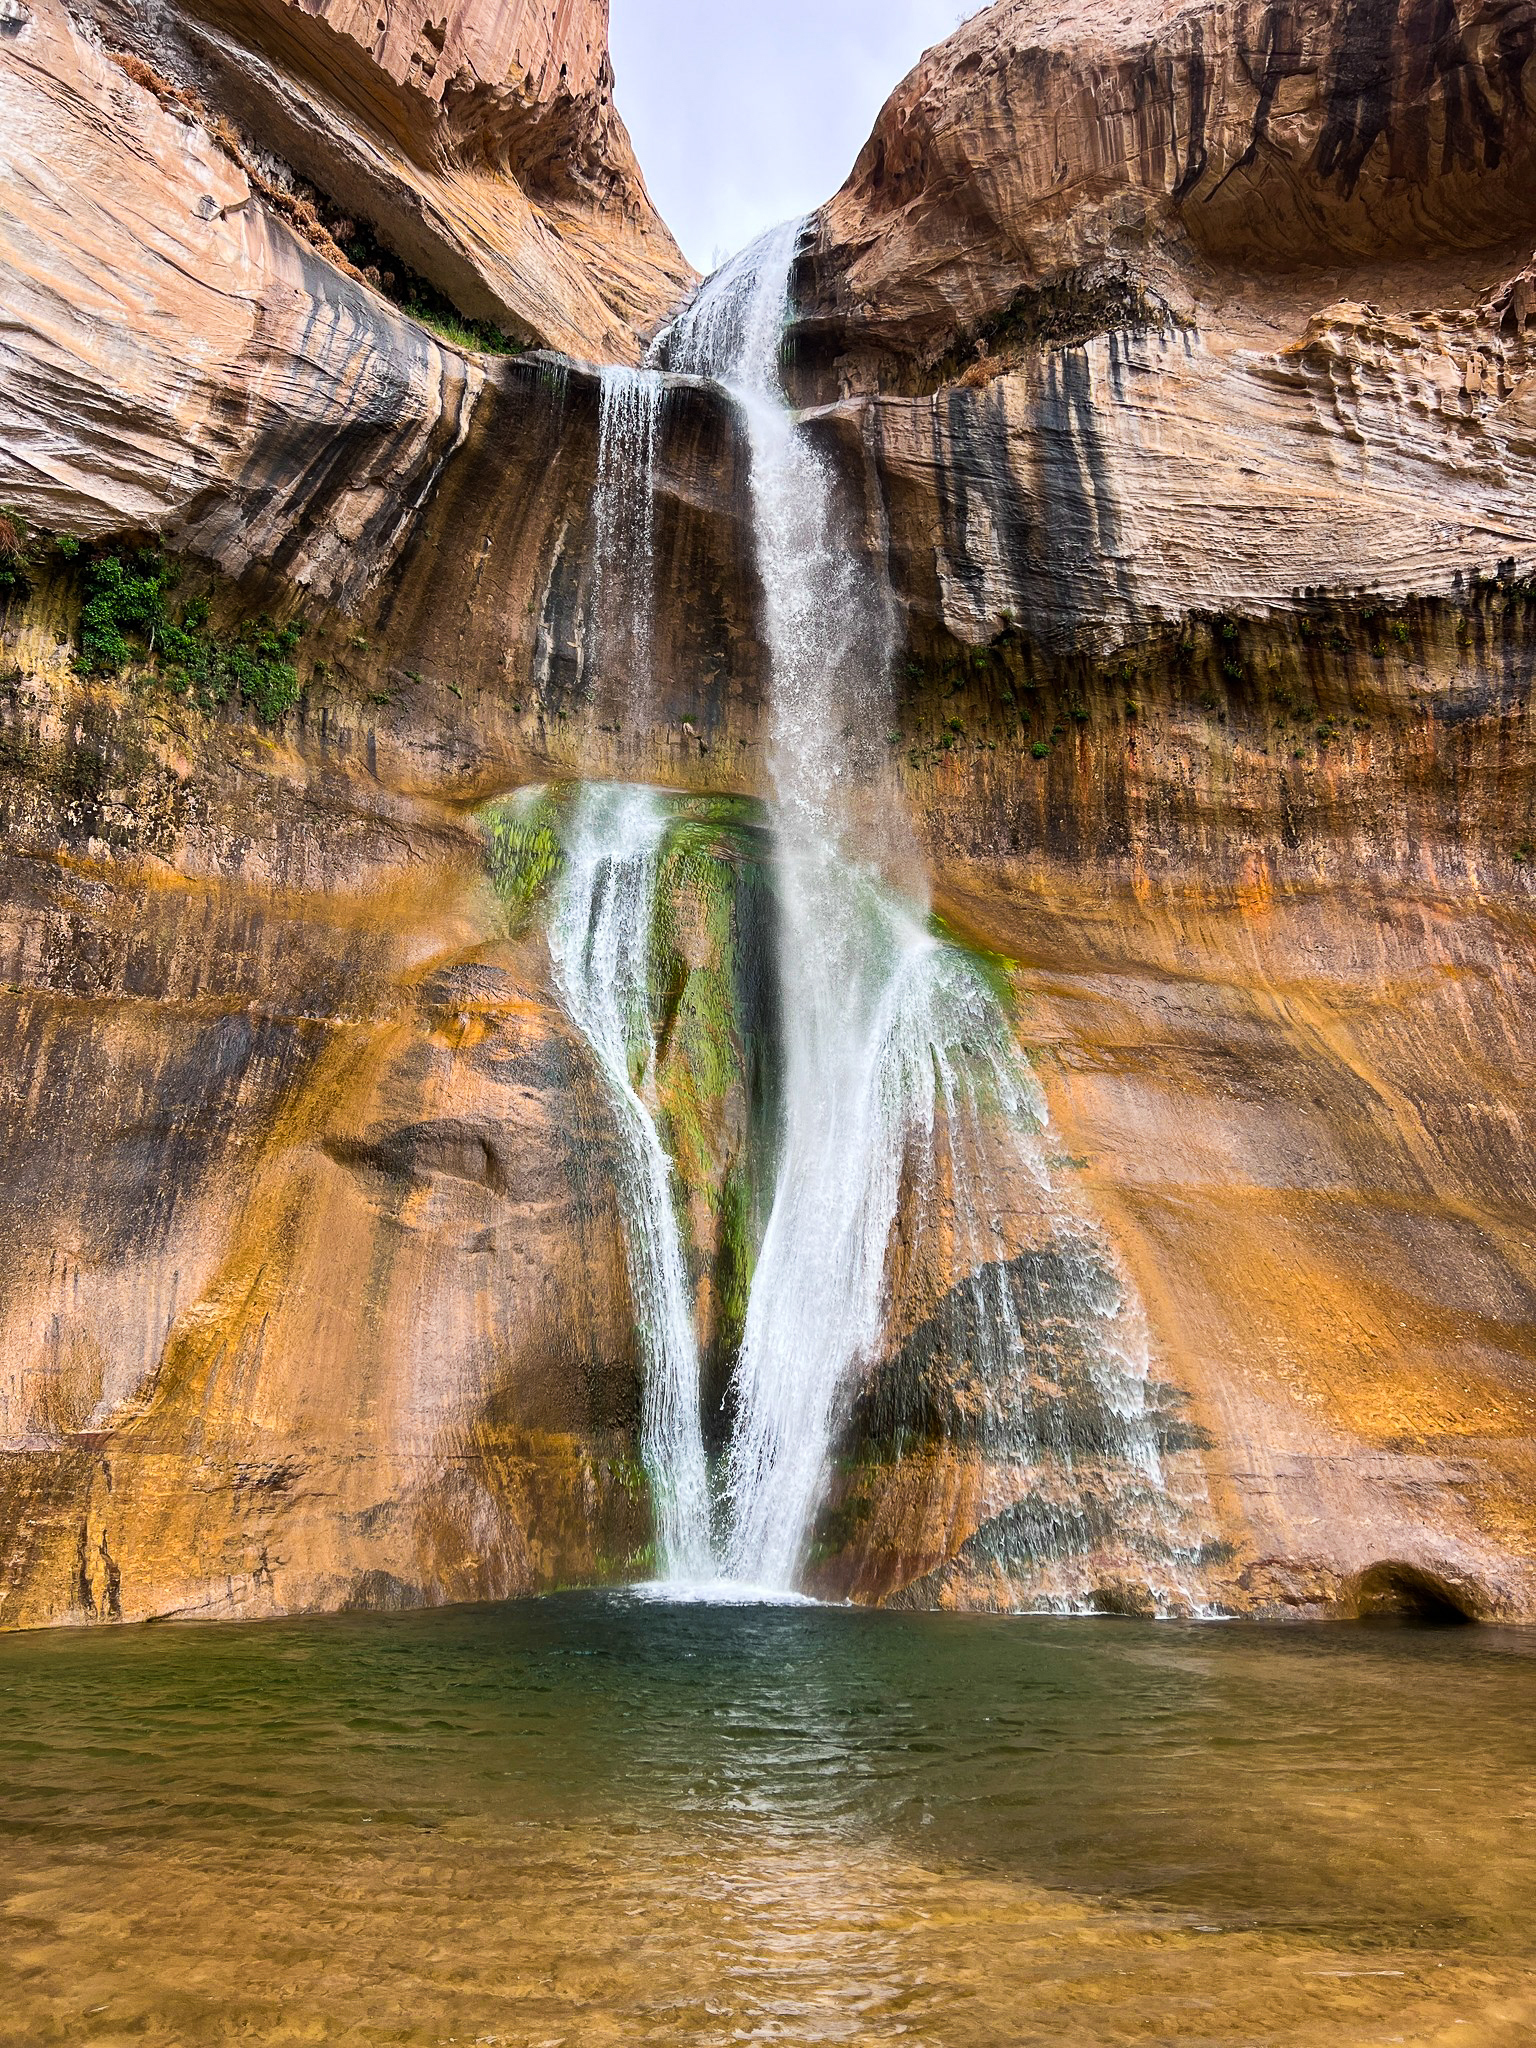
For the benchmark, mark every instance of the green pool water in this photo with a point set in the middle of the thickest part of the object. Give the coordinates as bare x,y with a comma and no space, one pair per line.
601,1819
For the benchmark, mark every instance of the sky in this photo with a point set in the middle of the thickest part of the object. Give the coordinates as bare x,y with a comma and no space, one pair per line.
748,112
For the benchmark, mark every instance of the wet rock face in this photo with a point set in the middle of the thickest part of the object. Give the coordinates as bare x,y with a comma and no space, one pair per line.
307,1304
1190,346
267,413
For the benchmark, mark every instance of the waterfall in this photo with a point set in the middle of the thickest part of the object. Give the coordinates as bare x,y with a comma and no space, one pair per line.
920,1279
901,1075
622,608
600,929
850,958
600,940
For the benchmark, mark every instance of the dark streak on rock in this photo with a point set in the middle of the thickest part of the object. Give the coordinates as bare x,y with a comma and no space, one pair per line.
1196,155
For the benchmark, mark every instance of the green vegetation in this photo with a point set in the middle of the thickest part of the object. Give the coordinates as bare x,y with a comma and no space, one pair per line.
415,297
14,556
736,1258
25,549
524,841
710,911
691,1045
694,952
127,617
839,1528
127,620
477,335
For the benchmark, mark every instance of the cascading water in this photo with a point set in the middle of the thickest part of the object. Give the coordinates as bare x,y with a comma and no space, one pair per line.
847,965
919,1279
600,941
624,521
600,928
895,1052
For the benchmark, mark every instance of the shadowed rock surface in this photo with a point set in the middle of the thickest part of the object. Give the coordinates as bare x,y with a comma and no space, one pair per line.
1176,362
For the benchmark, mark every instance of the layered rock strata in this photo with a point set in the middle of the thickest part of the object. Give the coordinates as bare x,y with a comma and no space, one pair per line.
476,146
1190,348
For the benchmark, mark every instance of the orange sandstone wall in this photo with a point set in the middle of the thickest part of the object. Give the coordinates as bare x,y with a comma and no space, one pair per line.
426,43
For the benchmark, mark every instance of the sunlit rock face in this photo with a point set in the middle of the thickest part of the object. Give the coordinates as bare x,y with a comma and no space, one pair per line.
294,1101
314,1292
1190,348
479,140
1174,363
477,146
1214,143
1181,309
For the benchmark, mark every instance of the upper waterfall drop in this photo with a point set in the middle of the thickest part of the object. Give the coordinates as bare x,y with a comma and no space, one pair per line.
622,613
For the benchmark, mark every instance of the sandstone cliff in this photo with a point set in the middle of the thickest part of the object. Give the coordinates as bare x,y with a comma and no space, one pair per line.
1175,362
1190,349
470,156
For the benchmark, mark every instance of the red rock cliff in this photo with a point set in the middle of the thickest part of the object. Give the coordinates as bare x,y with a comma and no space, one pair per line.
478,143
551,50
1179,364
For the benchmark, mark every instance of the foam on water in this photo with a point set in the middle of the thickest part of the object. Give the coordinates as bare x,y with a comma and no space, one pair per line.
716,1592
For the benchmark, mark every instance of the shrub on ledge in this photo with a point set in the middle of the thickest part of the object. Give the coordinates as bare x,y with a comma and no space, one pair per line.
127,617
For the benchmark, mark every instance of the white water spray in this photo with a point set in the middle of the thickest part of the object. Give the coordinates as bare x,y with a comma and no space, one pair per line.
600,940
600,931
895,1052
919,1278
622,610
855,962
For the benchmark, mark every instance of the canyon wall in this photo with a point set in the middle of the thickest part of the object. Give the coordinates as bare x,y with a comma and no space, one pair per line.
1190,348
475,163
1176,365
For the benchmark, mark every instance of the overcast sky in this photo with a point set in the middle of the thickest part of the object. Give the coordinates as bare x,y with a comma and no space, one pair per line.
748,112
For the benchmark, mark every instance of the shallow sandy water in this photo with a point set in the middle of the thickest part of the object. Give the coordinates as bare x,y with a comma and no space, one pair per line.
600,1820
